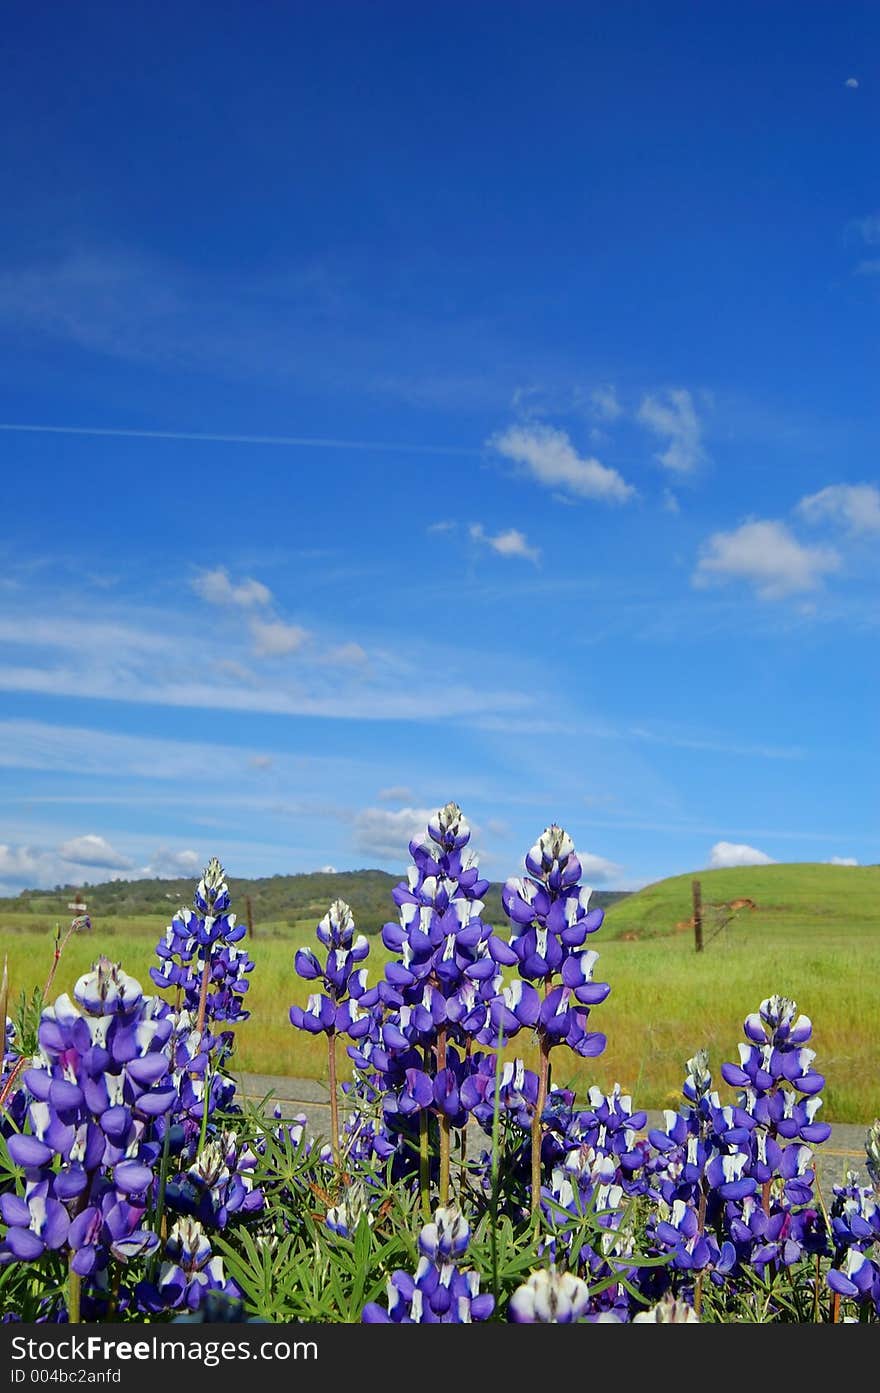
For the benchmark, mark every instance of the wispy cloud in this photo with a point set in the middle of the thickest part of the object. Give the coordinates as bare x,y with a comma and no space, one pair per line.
385,834
454,700
345,655
275,639
395,793
271,665
605,404
216,587
854,506
766,555
166,864
851,82
76,634
550,458
598,870
510,543
673,417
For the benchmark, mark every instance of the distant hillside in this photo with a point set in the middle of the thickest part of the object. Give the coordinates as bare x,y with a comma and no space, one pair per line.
274,899
799,896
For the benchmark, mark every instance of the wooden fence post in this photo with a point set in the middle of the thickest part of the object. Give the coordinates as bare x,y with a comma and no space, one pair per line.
249,914
697,892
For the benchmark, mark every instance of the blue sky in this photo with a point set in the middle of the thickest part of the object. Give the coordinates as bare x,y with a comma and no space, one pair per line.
438,401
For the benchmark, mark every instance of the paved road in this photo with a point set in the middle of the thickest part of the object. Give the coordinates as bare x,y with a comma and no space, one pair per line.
843,1151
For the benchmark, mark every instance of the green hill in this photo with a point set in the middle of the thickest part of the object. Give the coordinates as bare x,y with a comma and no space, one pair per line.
276,900
796,899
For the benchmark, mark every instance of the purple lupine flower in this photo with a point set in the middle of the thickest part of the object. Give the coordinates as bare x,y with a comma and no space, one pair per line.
343,1007
36,1222
97,1089
189,1272
855,1226
550,917
439,1292
516,1088
598,1144
779,1095
436,998
198,959
218,1184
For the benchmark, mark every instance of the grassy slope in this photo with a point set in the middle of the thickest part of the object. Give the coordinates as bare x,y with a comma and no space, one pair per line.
815,936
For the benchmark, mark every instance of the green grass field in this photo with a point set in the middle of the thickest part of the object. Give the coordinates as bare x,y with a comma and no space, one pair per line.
814,936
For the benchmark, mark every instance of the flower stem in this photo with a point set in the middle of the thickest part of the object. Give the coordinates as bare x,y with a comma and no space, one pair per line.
543,1076
334,1098
424,1164
701,1224
12,1080
159,1220
74,1293
496,1169
445,1136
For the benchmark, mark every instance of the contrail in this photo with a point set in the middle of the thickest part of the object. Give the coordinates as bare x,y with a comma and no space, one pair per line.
314,442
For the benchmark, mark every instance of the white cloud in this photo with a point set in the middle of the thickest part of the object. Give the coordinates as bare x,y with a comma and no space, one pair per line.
73,633
397,793
510,543
386,834
842,861
172,865
91,850
605,403
444,525
419,702
674,418
551,459
851,82
216,587
327,870
275,639
260,761
726,854
18,862
345,655
855,506
670,502
767,555
597,868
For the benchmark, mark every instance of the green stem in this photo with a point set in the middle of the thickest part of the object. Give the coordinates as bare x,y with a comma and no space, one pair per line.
701,1221
496,1168
163,1180
445,1135
74,1293
334,1099
536,1129
424,1164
